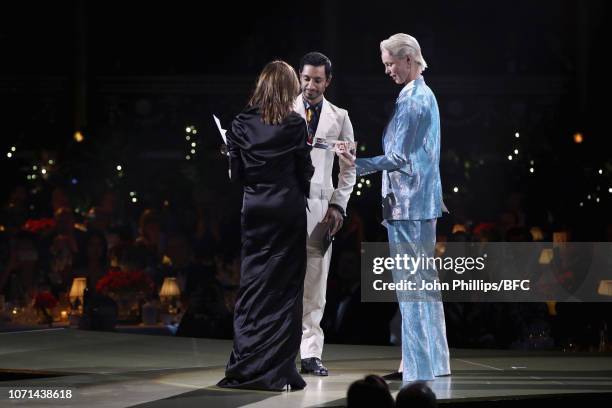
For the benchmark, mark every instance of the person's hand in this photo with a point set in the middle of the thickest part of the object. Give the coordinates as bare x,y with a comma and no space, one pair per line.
344,153
334,219
347,158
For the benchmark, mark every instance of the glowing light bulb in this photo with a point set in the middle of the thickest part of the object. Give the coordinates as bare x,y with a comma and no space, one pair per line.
578,138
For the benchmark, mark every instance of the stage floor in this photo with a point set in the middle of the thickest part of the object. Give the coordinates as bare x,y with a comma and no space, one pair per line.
106,369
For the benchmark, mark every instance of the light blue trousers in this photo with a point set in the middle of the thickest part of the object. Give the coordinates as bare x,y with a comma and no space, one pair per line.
424,348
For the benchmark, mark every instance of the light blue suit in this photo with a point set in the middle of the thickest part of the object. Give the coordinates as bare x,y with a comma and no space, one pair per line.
412,200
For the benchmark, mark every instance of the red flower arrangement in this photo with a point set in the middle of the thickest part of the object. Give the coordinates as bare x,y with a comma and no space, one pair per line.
36,226
122,282
45,300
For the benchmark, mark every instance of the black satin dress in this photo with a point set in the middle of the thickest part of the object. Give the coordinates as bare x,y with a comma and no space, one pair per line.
273,162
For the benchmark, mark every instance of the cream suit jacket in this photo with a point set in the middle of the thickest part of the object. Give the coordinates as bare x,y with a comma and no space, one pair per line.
334,124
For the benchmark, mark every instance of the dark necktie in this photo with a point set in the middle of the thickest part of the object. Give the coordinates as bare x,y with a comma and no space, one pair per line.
310,114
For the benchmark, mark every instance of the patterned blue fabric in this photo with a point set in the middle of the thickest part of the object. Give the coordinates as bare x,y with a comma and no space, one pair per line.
424,347
411,186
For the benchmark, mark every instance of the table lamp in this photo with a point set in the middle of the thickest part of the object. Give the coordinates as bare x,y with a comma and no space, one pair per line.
77,292
169,292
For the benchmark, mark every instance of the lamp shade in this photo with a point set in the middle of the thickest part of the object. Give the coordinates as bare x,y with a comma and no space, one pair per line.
169,288
605,288
546,256
78,288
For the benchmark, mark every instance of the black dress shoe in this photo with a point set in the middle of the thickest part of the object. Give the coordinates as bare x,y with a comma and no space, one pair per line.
393,376
314,366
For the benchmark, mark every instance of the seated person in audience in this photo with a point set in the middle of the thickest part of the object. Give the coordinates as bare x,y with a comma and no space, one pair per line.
416,395
372,391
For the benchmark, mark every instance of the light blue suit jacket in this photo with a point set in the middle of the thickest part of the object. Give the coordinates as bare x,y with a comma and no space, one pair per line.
411,186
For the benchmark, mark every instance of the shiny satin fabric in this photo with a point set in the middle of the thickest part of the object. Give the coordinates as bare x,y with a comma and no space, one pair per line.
411,185
425,352
273,163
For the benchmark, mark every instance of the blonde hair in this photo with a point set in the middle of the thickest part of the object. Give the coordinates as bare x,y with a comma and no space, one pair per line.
276,90
401,45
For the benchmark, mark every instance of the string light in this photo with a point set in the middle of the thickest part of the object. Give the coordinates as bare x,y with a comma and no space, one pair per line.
191,130
9,155
509,157
516,135
600,171
78,136
119,167
515,151
456,189
531,170
578,138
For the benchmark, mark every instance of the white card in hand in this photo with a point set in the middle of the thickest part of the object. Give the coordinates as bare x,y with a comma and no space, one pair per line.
337,146
221,130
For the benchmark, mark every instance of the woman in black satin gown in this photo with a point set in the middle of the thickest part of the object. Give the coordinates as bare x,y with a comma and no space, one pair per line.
269,155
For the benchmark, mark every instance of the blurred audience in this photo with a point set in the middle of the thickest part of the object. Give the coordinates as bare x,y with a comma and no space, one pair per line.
416,395
370,392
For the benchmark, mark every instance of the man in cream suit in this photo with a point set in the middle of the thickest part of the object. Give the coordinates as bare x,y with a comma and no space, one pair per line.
327,205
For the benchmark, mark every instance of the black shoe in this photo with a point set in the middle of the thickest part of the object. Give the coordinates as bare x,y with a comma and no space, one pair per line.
393,376
314,366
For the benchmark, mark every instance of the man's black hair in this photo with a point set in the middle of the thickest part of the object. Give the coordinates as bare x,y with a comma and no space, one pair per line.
316,59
